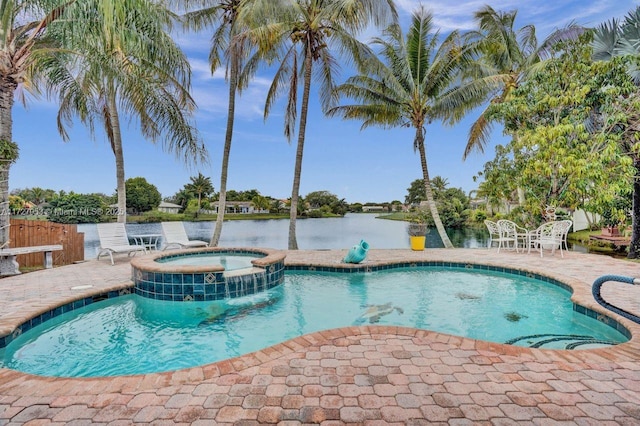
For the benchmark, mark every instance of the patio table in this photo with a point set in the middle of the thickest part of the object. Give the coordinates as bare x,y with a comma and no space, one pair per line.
148,241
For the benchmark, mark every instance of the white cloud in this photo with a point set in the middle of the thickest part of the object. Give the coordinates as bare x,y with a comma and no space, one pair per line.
211,96
201,70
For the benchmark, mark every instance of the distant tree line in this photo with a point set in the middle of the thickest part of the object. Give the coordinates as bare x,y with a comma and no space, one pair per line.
198,195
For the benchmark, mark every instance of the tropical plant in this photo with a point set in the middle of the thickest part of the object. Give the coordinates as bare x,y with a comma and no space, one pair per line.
305,32
224,15
622,39
276,206
260,202
35,195
554,156
410,88
453,204
200,186
77,208
500,59
127,64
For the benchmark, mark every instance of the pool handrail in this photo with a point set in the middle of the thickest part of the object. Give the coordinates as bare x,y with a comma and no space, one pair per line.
597,285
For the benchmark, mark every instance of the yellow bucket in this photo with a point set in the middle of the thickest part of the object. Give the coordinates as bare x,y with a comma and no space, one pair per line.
417,243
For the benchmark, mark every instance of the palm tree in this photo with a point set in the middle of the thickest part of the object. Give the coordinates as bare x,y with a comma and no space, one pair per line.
200,186
410,88
132,65
622,39
303,32
260,202
500,58
439,183
224,14
37,195
24,26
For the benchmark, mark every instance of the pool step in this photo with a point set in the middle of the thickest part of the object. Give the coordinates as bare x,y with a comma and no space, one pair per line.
244,271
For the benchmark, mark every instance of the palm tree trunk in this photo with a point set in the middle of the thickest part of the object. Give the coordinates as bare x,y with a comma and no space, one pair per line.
433,208
308,62
634,244
7,90
222,199
116,146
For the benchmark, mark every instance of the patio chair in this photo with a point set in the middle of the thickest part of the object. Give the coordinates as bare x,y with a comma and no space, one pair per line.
510,233
550,236
496,235
514,234
568,224
113,240
175,236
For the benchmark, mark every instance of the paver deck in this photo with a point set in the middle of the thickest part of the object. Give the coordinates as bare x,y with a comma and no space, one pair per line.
355,375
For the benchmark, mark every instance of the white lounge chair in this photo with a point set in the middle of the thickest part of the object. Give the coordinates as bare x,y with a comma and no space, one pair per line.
113,239
175,236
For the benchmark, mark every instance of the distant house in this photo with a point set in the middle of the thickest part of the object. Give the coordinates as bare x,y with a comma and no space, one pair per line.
238,207
166,207
370,209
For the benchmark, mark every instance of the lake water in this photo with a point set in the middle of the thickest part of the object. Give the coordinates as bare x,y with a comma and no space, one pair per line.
313,234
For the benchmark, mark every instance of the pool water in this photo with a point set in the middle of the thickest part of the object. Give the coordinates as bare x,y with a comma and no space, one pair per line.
131,334
229,262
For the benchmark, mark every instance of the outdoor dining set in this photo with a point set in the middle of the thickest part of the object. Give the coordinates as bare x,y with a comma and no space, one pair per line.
551,235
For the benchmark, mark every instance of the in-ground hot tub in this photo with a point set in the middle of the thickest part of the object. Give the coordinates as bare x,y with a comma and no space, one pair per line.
203,274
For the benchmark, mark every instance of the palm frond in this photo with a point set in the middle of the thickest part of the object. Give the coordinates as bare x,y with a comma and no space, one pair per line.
479,134
572,31
605,40
419,44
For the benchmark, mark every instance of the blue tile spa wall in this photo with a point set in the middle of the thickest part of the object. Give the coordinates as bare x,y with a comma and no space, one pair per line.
205,286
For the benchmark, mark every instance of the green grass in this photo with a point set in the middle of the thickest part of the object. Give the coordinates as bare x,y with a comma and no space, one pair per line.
581,237
396,216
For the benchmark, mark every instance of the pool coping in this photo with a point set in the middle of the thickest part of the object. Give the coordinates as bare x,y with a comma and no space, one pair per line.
150,263
207,282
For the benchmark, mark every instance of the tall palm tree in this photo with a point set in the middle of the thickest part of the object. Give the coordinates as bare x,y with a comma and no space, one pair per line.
224,15
408,86
24,26
201,186
500,58
129,65
622,39
303,33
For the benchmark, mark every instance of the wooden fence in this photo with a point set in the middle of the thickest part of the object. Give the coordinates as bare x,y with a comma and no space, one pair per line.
26,233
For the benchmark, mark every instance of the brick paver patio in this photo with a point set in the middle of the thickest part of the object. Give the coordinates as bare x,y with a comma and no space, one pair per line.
356,375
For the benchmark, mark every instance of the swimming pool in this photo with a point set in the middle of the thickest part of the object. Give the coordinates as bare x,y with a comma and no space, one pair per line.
131,334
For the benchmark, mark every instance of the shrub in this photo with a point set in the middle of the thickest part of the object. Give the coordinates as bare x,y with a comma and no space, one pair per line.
479,216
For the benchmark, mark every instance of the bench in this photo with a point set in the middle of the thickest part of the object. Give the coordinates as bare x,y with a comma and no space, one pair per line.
9,265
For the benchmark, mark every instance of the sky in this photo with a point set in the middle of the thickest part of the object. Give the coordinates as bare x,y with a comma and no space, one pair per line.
372,165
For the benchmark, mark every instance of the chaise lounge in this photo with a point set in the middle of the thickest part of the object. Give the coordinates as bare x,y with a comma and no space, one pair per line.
114,240
175,236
